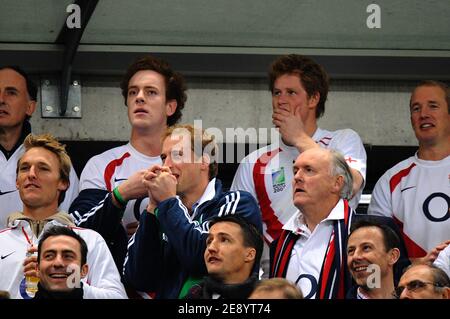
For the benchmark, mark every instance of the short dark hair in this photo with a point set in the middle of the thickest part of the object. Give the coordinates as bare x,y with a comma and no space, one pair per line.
252,236
175,83
390,238
32,88
312,76
440,277
438,84
63,231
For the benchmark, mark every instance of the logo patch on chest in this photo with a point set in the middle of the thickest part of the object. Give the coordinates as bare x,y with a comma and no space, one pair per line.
278,180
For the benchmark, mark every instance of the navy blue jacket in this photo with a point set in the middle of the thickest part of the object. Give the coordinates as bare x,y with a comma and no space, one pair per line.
94,209
167,249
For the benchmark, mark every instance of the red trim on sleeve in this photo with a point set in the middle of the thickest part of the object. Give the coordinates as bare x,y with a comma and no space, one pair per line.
111,168
268,215
396,179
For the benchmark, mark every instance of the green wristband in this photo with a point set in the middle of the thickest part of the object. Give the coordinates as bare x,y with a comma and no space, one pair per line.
119,197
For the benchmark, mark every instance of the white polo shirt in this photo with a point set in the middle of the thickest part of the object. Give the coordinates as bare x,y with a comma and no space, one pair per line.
309,250
416,193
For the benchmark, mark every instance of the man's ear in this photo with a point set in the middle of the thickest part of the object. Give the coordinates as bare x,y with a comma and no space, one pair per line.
394,255
446,292
63,186
206,160
314,100
30,108
171,107
84,270
250,254
338,184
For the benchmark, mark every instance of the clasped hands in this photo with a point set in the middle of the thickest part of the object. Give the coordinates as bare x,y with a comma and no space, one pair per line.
161,184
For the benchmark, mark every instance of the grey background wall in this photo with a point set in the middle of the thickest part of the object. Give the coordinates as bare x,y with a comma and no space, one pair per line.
374,51
377,110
